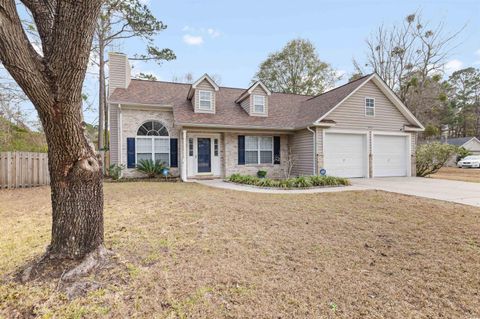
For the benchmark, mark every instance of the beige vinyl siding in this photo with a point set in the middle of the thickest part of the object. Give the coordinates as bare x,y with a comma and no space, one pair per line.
114,125
473,146
245,104
302,147
204,86
119,72
351,113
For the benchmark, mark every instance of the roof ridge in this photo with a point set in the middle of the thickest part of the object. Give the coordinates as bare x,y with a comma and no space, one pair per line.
220,86
338,87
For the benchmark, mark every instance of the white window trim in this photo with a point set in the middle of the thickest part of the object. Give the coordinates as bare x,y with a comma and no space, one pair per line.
153,147
263,104
369,107
210,100
259,150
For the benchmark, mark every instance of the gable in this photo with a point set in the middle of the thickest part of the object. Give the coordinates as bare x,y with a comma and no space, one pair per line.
472,145
350,114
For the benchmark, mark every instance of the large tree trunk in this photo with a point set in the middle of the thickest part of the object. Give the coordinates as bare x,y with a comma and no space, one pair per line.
53,82
76,182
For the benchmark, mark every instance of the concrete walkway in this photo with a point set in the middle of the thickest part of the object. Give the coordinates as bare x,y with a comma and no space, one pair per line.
451,191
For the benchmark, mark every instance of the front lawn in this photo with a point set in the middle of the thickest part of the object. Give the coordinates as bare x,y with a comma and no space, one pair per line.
192,251
458,174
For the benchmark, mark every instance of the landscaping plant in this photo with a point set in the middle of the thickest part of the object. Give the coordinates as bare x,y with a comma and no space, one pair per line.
262,174
150,168
295,182
115,171
433,156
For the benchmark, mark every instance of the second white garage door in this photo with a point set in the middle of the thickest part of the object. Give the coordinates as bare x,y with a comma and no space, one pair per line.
345,155
390,155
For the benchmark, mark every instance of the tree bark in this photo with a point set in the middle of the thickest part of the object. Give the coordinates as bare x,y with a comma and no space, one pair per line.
76,186
53,83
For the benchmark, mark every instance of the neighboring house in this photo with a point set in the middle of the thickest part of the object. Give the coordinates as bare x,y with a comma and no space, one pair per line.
360,129
469,143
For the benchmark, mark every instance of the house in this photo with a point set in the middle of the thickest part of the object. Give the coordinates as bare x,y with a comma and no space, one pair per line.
203,130
471,144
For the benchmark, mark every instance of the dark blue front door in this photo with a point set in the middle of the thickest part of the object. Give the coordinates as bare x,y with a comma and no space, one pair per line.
204,155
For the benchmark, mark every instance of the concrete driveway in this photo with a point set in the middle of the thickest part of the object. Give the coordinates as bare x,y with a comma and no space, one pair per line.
452,191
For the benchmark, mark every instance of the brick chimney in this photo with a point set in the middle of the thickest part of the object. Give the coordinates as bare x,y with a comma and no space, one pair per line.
119,71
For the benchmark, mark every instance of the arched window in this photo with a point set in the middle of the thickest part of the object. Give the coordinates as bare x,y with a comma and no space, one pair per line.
153,143
152,128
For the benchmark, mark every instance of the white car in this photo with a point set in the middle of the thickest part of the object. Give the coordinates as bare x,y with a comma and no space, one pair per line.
470,161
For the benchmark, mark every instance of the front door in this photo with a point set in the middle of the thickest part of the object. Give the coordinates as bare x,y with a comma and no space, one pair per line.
204,152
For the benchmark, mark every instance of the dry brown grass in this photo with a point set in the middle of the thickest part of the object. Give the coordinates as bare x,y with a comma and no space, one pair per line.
193,251
458,174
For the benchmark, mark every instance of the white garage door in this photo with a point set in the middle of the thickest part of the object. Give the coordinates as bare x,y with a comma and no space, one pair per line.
389,155
345,155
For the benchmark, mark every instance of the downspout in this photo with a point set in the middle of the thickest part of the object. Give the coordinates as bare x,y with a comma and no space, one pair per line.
314,150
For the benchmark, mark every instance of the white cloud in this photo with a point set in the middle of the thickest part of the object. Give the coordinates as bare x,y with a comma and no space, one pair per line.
192,39
213,33
452,66
196,36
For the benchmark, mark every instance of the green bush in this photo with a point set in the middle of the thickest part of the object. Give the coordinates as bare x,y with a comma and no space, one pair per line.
262,174
115,171
433,156
150,167
294,182
462,152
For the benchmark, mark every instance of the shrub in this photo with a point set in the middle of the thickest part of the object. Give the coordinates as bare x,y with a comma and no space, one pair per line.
115,171
261,174
150,167
462,152
433,156
296,182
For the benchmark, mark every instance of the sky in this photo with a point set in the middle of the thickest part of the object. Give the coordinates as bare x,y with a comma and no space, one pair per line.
231,38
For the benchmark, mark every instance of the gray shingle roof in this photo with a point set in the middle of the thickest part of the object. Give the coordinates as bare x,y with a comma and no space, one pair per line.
458,141
285,111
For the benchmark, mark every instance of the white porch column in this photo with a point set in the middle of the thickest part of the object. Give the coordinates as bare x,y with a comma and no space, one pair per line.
184,163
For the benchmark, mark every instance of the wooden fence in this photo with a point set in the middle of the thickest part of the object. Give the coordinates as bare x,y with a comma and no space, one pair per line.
23,169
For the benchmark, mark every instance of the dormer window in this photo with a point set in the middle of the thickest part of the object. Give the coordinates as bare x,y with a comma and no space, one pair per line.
259,103
205,100
369,106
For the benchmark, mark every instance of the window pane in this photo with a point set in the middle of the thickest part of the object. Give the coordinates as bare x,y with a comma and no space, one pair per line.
162,145
142,131
144,145
143,156
205,95
259,109
266,143
259,103
251,143
148,125
215,147
190,147
370,111
251,157
163,158
205,104
266,157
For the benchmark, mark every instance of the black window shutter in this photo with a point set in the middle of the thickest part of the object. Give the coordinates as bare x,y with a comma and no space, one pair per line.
276,150
241,150
130,152
173,152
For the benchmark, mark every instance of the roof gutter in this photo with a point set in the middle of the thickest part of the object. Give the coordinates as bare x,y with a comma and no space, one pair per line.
314,150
